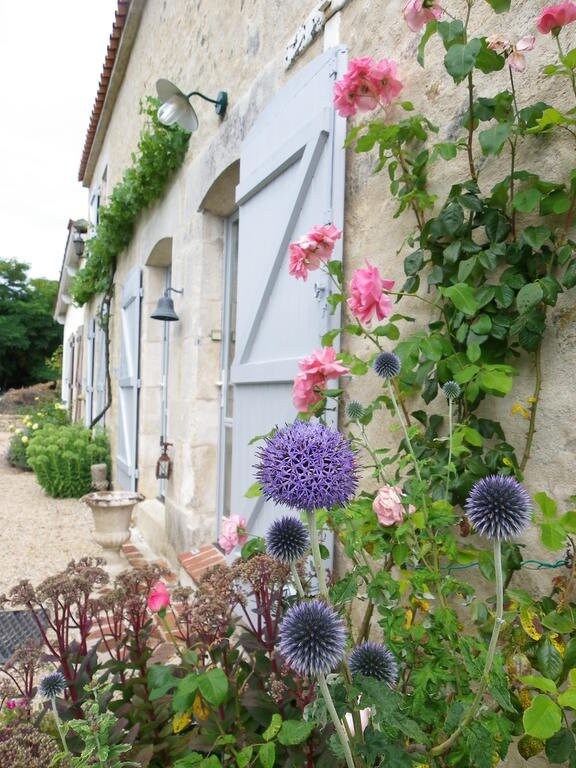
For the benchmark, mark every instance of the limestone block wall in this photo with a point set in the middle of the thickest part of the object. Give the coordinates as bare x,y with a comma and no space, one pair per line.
238,46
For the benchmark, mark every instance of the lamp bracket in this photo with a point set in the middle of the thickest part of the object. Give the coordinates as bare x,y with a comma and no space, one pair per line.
220,102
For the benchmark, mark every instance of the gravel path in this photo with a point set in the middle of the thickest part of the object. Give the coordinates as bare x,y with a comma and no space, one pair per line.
38,535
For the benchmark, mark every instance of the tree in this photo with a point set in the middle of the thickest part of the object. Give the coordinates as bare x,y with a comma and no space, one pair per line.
28,333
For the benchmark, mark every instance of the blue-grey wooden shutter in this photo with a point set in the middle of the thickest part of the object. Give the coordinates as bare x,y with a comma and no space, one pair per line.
291,178
100,374
89,388
128,382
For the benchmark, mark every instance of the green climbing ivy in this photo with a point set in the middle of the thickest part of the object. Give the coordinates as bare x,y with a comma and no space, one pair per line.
161,151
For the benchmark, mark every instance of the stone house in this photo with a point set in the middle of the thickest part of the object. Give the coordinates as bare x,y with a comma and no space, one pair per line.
252,182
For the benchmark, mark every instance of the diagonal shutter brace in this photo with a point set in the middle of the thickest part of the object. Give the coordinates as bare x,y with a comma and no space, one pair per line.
309,30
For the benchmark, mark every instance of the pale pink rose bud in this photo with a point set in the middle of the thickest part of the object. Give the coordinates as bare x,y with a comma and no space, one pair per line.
388,505
232,533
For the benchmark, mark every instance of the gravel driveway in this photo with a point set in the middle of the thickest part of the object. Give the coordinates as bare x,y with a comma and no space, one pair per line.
38,535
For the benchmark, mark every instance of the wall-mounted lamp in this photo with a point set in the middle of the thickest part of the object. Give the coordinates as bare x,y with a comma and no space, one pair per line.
164,463
176,107
78,244
165,307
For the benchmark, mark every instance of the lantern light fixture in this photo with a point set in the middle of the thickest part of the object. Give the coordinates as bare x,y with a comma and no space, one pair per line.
164,463
78,245
176,107
165,307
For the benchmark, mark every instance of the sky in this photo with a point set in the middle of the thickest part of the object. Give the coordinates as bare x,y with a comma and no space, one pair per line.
51,57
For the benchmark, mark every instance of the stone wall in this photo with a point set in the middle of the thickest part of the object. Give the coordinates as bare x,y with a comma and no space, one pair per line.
239,46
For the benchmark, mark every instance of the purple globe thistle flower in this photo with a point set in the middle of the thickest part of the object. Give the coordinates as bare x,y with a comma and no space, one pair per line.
52,685
451,390
374,660
498,507
387,365
312,638
287,539
306,465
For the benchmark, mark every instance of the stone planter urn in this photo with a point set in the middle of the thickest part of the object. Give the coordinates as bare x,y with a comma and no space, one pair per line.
112,512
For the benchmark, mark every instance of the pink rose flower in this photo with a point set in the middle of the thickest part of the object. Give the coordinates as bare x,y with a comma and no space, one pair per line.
306,391
366,84
388,505
323,361
316,369
417,13
367,297
308,253
554,17
159,598
232,533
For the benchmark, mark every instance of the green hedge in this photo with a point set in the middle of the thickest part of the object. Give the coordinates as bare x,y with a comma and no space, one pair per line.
61,457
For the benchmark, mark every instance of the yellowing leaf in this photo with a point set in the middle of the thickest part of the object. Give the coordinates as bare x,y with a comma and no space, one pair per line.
518,408
181,720
408,619
558,644
530,623
201,711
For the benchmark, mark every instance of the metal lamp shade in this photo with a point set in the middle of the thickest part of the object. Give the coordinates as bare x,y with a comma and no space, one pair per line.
165,310
175,107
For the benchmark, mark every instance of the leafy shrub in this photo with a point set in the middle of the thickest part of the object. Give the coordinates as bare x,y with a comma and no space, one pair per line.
61,457
32,423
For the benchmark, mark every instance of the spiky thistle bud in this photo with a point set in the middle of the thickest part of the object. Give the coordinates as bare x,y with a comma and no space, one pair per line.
452,390
354,410
287,539
374,660
387,365
498,507
52,685
312,638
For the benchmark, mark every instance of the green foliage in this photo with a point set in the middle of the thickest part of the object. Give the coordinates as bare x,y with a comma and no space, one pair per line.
487,261
61,457
32,423
161,151
96,733
28,332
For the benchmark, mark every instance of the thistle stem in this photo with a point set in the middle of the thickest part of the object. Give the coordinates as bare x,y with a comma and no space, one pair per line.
315,547
403,425
336,720
409,444
296,580
59,725
449,449
498,623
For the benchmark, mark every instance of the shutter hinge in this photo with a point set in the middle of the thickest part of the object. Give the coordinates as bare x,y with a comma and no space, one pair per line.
140,291
138,383
135,473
